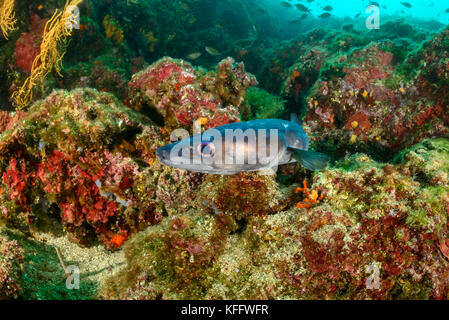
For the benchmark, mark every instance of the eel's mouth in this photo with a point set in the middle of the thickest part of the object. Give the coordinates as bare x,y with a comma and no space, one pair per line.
163,154
168,158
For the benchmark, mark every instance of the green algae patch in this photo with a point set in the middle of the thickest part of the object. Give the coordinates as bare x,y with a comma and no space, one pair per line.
440,145
263,105
43,277
429,214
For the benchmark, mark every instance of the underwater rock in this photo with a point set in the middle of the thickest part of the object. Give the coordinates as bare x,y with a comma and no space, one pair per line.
304,73
7,119
88,161
98,75
378,217
295,66
179,262
372,107
379,233
430,66
183,94
241,195
83,163
163,190
72,157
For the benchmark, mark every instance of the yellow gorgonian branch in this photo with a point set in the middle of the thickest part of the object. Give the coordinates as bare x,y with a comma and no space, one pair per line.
52,50
7,17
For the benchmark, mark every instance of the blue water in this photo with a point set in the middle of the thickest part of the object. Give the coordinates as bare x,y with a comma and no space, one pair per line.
355,12
349,8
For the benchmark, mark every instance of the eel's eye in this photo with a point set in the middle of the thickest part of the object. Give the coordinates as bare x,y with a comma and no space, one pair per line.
186,152
206,149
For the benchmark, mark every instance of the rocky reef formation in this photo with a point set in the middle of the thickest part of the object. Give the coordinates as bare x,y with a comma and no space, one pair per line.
81,160
380,232
87,159
363,92
53,165
182,94
374,107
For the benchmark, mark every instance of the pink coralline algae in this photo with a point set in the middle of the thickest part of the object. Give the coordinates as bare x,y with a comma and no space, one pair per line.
368,65
373,107
77,192
152,78
19,178
28,45
182,94
94,188
7,120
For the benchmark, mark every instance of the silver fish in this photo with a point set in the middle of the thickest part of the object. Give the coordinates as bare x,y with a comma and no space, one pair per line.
244,146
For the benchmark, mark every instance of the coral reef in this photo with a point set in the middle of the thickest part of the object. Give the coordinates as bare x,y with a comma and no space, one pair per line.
79,170
183,94
380,232
372,107
57,165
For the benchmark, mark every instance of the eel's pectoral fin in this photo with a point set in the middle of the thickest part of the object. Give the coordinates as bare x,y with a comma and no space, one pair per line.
309,159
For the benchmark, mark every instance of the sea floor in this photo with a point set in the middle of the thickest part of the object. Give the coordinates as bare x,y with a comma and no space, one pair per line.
44,275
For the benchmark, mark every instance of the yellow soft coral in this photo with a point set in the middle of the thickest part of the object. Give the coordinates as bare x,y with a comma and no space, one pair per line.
56,32
151,39
113,29
7,17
